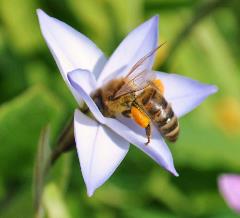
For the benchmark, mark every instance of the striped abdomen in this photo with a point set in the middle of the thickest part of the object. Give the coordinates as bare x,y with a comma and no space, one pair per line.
161,113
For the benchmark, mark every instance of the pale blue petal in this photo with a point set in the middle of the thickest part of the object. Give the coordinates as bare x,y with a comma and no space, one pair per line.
70,49
136,45
81,87
183,93
100,150
157,149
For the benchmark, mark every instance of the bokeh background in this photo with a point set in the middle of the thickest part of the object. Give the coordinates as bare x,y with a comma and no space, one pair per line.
203,42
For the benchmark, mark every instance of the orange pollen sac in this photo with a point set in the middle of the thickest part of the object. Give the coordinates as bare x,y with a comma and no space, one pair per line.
140,117
158,83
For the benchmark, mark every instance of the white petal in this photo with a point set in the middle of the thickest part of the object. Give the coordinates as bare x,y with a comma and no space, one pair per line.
71,49
86,80
157,149
81,86
99,149
137,44
183,93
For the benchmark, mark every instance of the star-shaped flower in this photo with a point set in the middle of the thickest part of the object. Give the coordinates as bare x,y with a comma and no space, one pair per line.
103,143
229,186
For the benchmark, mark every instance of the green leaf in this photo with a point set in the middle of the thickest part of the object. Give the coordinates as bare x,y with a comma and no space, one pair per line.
208,148
225,214
21,121
21,24
125,19
93,14
206,56
41,165
37,72
54,202
163,189
19,205
216,50
148,213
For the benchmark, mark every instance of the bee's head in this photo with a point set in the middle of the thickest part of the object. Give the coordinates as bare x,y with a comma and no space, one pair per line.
111,98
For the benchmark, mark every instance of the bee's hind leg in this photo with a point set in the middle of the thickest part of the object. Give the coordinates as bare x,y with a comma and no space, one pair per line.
148,133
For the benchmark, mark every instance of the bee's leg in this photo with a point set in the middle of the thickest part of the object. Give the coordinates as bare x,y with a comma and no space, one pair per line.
148,133
127,113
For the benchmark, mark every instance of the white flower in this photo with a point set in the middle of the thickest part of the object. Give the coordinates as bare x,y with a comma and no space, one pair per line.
102,145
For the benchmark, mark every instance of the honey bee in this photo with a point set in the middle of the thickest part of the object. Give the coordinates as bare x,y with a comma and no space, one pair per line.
139,96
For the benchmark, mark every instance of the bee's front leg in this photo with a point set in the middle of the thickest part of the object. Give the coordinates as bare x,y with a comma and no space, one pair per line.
148,133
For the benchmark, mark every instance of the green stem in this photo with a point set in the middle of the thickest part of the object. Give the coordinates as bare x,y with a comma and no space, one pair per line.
65,142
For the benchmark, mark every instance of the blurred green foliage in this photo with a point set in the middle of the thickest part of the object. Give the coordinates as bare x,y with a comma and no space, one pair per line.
33,95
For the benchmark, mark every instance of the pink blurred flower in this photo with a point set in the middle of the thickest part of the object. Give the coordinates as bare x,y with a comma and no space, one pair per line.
229,186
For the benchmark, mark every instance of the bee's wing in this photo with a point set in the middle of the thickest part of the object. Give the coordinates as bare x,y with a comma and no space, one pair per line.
138,83
138,77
